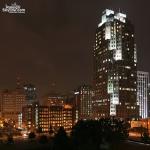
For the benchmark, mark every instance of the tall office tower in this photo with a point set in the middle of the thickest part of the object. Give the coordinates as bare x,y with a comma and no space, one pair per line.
149,100
31,93
83,103
142,93
115,67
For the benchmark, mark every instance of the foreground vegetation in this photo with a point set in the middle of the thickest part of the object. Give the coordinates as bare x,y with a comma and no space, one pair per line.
91,134
102,134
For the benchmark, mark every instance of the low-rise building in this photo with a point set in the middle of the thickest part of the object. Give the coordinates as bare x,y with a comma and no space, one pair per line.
45,117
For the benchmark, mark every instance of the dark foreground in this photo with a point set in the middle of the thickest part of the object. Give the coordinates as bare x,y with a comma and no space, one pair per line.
33,145
25,145
103,134
131,146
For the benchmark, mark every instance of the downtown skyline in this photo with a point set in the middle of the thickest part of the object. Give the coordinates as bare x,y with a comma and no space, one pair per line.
53,44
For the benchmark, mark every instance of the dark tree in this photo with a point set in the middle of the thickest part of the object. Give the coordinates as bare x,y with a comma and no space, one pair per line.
61,140
104,133
32,135
145,137
51,131
86,135
43,139
10,139
39,130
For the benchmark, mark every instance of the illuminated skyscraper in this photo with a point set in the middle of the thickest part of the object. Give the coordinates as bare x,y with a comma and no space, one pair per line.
142,93
149,100
83,103
115,67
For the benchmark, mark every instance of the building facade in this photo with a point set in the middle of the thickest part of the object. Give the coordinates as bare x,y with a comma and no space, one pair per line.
29,114
46,117
53,100
12,103
149,100
144,123
142,93
115,67
83,103
31,93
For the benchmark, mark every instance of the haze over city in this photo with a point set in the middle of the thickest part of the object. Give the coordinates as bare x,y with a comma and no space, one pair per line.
53,41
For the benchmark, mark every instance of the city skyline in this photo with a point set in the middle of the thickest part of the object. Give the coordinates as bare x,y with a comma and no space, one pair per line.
44,57
74,74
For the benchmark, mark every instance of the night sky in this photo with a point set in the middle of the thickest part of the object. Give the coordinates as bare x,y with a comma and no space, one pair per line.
53,41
